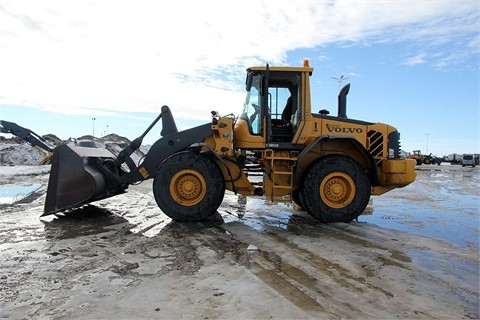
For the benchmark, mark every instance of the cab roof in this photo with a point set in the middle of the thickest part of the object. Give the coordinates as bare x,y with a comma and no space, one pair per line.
285,69
304,68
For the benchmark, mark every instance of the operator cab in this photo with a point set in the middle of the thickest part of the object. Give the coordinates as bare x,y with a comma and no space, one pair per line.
272,105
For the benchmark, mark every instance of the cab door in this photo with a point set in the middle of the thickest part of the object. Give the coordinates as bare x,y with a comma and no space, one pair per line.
283,101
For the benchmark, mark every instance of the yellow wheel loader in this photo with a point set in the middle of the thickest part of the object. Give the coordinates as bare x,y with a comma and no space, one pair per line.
423,158
328,165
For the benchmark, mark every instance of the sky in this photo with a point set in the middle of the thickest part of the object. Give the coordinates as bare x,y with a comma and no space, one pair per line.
79,67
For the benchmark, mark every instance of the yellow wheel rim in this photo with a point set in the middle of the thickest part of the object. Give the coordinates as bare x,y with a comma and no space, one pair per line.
337,190
188,187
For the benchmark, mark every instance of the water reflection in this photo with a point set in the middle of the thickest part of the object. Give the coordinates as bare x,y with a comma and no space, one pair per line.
87,220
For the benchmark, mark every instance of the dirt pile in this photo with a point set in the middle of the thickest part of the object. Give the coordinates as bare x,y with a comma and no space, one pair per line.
15,151
20,154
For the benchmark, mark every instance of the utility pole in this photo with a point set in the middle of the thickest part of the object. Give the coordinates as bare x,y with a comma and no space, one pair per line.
339,80
93,132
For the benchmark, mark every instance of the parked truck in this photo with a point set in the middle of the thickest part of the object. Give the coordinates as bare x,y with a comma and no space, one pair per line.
328,165
452,158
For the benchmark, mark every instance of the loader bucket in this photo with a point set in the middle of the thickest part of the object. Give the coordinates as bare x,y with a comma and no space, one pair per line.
75,178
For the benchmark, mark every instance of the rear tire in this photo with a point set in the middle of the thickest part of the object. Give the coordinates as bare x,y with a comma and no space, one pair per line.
336,189
188,186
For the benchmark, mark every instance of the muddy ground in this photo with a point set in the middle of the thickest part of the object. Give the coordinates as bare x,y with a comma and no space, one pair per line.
415,257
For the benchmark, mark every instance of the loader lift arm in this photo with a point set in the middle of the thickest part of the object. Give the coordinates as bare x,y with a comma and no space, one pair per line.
168,127
172,141
25,134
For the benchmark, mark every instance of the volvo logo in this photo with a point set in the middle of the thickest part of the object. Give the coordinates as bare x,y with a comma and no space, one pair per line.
340,129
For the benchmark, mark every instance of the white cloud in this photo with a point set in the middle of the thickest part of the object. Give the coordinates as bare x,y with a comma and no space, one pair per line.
415,60
120,56
323,57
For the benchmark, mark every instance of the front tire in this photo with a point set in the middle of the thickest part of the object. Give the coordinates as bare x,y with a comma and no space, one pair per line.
336,189
188,186
297,197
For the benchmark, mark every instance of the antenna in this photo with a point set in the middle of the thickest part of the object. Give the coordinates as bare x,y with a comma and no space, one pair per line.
339,80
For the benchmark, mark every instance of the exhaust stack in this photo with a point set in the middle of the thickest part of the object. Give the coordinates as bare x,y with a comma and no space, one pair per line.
342,101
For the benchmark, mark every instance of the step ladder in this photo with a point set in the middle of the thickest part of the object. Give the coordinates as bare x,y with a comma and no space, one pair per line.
288,161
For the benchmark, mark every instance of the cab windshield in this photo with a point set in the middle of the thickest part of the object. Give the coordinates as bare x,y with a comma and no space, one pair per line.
251,107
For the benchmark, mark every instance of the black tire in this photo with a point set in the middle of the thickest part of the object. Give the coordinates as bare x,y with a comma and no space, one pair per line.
297,198
336,189
188,186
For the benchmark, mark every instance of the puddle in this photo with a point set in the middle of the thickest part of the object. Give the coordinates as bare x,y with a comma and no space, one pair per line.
256,212
443,214
455,220
11,193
